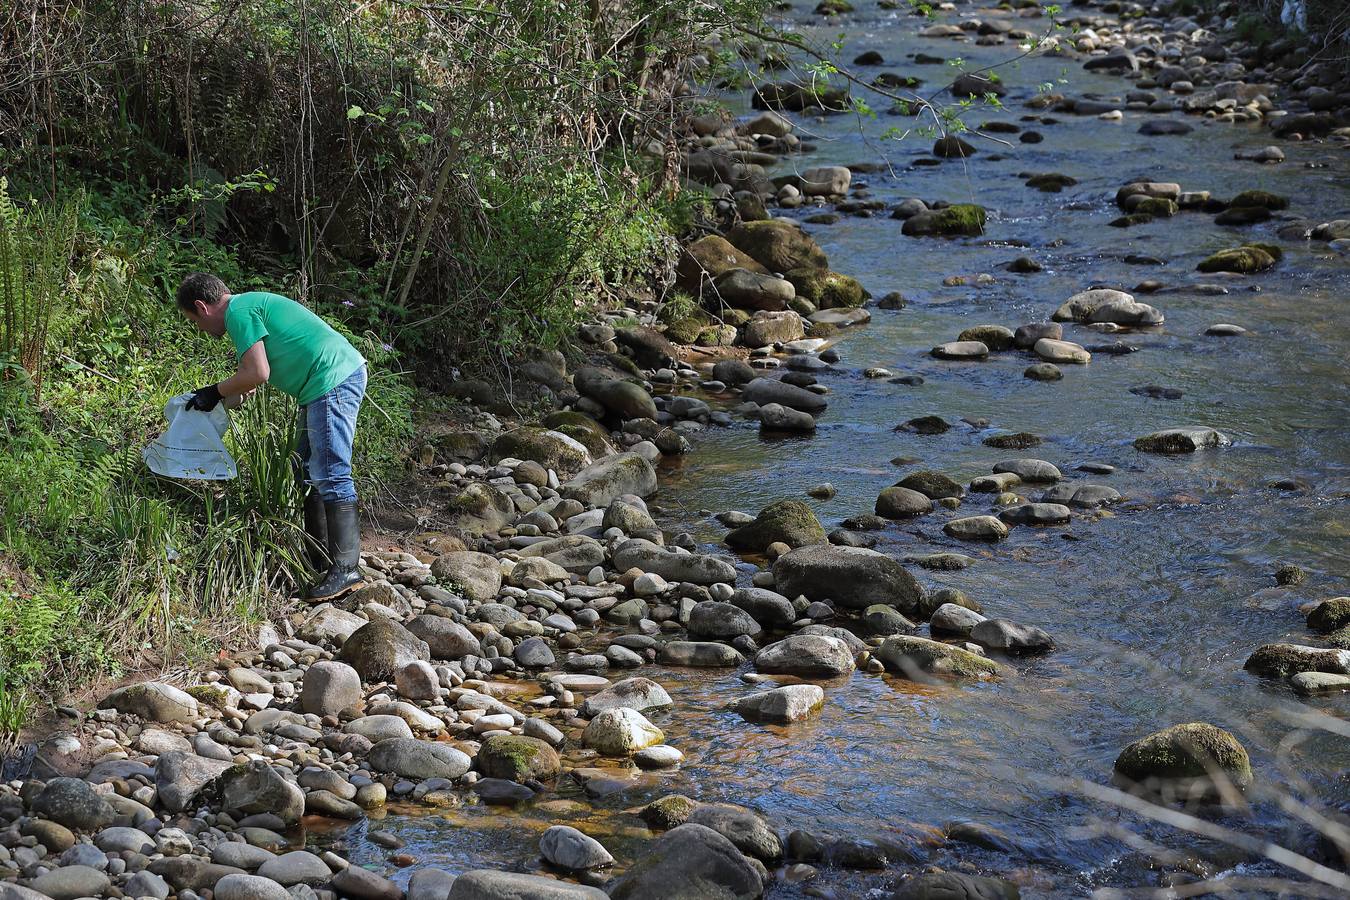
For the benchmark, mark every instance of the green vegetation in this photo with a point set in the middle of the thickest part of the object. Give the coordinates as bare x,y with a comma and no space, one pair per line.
448,184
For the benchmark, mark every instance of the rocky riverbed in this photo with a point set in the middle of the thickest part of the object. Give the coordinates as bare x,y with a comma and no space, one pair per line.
1023,463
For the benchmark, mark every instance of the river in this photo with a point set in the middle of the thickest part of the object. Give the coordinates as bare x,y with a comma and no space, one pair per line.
1154,605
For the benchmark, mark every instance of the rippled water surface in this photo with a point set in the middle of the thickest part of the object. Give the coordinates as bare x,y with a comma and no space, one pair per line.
1155,605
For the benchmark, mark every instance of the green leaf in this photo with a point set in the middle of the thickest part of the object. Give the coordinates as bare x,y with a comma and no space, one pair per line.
355,112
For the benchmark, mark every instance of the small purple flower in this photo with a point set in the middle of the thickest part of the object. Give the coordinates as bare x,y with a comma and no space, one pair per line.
386,347
348,303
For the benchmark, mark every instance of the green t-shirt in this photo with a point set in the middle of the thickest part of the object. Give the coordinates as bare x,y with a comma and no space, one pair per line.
307,357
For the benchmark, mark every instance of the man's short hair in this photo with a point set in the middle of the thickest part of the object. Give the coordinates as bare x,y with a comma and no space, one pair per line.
200,286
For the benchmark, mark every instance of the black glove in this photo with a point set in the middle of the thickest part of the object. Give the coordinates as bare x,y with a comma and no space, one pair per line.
204,399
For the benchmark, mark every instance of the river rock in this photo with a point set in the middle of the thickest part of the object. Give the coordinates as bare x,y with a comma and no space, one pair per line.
574,553
1185,761
380,648
852,577
1010,637
1329,615
689,862
330,687
933,485
902,503
1030,470
430,883
517,758
778,244
567,848
296,867
720,621
955,886
636,693
1061,352
747,830
445,638
153,701
774,417
767,390
1310,684
72,882
72,802
359,883
551,449
708,257
412,758
1185,439
768,608
475,575
179,776
1035,514
601,483
257,787
914,657
695,568
961,350
791,703
790,522
698,654
949,618
620,731
490,884
744,289
976,528
249,887
806,656
773,327
733,372
479,509
379,728
1244,260
955,220
1283,660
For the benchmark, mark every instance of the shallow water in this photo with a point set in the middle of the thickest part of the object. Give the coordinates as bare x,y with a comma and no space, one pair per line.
1155,605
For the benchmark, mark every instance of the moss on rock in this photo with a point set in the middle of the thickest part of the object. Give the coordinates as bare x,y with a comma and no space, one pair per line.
517,758
1243,260
581,428
779,245
1283,660
1330,615
827,289
912,657
1158,207
957,219
1261,199
668,812
1185,759
791,522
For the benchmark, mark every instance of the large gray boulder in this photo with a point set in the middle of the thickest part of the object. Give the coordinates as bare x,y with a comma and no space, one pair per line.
551,449
477,576
768,608
790,703
249,887
153,701
445,638
489,884
769,390
601,483
635,693
720,621
479,509
412,758
73,802
568,848
380,648
916,658
257,787
690,862
745,828
698,654
575,553
179,776
806,656
328,623
955,886
696,568
852,577
329,687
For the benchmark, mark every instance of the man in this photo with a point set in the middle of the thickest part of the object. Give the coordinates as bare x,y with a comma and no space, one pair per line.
278,341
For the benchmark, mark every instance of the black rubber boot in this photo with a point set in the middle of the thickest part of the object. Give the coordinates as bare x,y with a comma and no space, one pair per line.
344,548
316,529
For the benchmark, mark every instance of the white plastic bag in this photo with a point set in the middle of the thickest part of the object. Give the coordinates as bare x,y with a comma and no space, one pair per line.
192,447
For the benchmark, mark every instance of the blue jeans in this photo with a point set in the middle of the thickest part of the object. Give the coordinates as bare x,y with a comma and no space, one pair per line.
327,428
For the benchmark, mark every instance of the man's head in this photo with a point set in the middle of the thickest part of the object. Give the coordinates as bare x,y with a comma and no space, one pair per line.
201,298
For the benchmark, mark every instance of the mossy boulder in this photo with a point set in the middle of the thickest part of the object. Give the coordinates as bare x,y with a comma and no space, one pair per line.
1157,207
833,7
708,257
380,648
822,330
212,695
462,446
1187,761
958,219
826,289
551,449
933,485
603,482
791,522
1330,615
996,337
517,758
1243,260
716,336
582,429
670,811
779,245
1261,199
800,97
1051,182
952,147
478,509
1283,660
686,330
1130,220
914,657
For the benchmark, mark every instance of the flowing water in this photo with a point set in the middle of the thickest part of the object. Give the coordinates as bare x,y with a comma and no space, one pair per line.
1154,605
